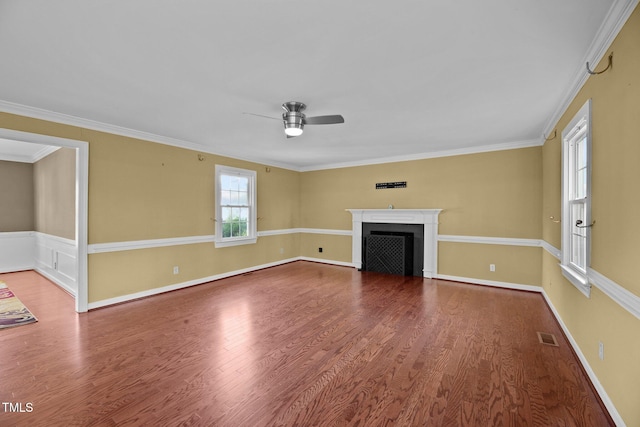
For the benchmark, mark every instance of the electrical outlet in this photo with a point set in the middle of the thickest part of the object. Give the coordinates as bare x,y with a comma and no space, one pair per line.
492,267
601,350
319,249
176,270
281,251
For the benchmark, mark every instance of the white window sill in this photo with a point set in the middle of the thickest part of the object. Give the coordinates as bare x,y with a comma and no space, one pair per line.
235,242
577,279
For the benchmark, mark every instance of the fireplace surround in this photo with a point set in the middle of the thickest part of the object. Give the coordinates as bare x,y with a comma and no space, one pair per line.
427,217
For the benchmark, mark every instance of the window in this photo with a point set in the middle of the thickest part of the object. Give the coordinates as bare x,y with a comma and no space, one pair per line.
235,206
576,199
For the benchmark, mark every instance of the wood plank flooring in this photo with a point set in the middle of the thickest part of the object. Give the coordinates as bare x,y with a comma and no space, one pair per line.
302,344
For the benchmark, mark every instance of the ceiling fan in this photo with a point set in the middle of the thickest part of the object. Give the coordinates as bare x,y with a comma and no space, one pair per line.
294,119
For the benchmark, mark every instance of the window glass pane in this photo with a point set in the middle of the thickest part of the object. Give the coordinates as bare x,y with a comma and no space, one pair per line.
243,198
243,184
578,253
581,184
226,214
225,181
581,153
225,197
578,235
244,214
235,202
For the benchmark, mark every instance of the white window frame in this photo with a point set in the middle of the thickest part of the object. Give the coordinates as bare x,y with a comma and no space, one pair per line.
252,234
579,127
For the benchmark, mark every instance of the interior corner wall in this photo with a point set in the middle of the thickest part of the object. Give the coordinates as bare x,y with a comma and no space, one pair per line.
16,196
55,194
497,195
615,97
142,194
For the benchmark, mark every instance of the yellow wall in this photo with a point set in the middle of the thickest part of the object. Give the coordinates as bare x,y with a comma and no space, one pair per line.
54,180
495,194
16,196
615,205
140,190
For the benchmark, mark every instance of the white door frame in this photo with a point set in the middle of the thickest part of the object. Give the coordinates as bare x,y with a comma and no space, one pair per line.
82,197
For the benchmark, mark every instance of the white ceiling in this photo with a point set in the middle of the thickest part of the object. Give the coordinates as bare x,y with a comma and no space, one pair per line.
411,78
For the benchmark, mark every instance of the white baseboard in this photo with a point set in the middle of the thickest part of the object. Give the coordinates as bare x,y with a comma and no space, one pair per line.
182,285
516,286
326,261
493,283
585,364
615,415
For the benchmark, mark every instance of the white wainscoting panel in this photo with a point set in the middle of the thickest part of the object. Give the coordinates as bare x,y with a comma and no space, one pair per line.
57,259
17,250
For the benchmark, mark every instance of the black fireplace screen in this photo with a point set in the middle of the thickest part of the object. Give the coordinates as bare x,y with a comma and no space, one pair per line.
389,253
393,248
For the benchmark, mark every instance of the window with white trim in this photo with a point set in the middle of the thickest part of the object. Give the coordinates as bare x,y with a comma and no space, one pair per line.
235,206
576,199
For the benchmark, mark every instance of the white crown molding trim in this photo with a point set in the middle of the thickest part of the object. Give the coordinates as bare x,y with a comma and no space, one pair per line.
18,158
628,300
493,283
614,21
44,152
430,155
585,364
38,113
52,116
509,241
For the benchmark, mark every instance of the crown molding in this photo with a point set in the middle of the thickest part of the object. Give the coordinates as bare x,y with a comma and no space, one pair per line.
428,155
614,21
52,116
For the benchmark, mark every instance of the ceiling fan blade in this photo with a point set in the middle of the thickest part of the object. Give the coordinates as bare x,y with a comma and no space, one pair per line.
266,117
324,120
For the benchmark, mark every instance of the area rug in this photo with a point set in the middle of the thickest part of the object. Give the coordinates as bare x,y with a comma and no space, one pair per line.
12,311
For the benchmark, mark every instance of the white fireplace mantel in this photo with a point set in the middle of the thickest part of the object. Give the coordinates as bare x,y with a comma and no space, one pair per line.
427,217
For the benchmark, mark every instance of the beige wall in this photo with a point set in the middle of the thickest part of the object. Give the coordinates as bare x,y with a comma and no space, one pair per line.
55,193
139,190
495,194
615,205
16,196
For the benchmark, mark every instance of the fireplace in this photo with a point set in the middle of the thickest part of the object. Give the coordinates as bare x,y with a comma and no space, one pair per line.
393,248
396,241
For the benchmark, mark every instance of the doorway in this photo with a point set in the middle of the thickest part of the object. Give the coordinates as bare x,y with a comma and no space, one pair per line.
81,201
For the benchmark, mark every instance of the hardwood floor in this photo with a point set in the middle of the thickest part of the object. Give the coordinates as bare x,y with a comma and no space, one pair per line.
302,344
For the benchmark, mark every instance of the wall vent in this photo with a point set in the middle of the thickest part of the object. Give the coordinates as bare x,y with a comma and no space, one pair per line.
548,339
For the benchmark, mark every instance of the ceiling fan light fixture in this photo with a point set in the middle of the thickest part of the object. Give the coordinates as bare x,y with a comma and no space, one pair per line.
293,130
293,123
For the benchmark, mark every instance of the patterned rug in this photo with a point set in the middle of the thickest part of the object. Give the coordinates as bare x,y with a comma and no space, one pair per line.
12,311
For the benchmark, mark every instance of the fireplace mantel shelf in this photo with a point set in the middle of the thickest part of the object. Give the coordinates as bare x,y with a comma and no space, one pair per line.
428,217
